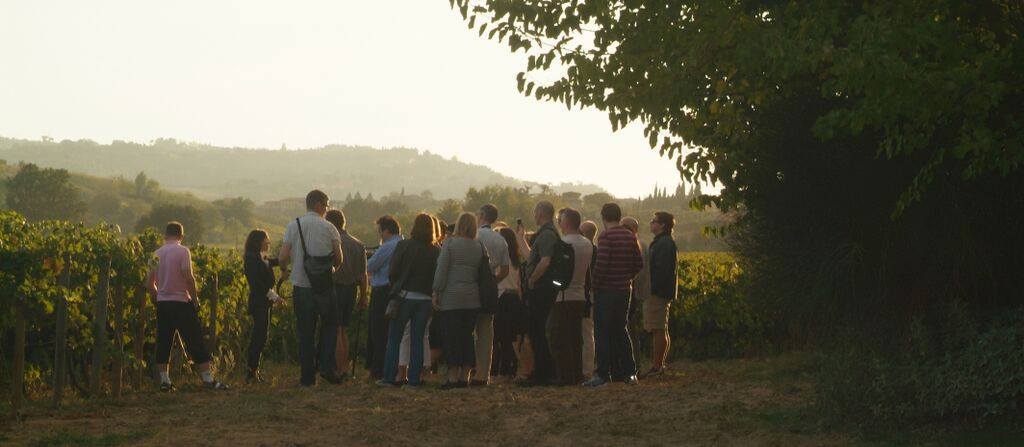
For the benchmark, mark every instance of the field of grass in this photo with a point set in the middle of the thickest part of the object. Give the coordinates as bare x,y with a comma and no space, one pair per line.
727,402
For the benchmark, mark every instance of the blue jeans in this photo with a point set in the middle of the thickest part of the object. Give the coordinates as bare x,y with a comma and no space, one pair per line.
612,344
312,308
415,312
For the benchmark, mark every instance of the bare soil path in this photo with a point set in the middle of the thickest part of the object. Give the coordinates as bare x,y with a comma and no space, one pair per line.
734,402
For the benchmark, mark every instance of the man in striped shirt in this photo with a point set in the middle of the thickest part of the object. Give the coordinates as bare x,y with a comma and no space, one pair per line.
618,261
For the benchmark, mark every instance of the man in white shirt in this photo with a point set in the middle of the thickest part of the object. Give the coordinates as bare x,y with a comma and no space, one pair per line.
497,252
313,305
567,312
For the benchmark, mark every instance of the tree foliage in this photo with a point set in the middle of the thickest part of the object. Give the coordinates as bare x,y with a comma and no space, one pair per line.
44,193
162,213
931,81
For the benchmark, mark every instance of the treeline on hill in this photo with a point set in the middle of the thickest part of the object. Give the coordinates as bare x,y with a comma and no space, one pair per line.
213,172
873,152
138,204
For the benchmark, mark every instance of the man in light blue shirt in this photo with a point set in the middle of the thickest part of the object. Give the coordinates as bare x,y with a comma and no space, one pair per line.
379,266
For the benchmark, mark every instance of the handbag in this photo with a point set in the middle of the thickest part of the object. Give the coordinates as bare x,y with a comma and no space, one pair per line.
487,284
319,269
396,296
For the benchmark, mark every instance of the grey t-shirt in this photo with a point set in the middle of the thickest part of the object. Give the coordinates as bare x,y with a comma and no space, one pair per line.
497,248
584,251
320,236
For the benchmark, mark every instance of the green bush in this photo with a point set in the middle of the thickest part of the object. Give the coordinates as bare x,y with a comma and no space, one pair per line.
949,371
713,317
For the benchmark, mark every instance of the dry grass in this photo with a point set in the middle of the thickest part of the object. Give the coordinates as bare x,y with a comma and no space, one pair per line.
739,402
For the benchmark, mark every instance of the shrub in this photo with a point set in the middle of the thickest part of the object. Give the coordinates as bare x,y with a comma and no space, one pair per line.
967,374
713,317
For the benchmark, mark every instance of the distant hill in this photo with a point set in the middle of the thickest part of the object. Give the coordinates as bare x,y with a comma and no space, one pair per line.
214,172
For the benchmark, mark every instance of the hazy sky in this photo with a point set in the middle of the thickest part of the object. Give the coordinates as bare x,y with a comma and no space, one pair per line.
261,73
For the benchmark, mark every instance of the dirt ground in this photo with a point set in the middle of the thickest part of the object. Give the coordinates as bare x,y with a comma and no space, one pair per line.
736,402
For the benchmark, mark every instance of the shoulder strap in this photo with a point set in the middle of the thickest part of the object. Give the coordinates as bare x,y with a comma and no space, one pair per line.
305,253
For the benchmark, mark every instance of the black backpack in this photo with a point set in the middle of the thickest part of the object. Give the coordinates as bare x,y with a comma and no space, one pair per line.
563,263
319,269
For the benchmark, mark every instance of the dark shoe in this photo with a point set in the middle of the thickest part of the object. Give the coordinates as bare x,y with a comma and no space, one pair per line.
167,387
414,384
596,382
462,384
631,380
216,385
448,386
332,379
475,382
387,383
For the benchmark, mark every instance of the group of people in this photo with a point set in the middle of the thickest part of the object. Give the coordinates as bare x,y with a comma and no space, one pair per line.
430,297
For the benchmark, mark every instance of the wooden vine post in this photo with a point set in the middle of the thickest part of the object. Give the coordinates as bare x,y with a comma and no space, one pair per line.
60,357
100,329
115,384
18,368
138,341
214,311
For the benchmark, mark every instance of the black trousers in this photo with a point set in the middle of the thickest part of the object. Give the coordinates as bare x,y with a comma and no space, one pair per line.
180,317
258,334
539,308
457,327
315,311
377,340
506,322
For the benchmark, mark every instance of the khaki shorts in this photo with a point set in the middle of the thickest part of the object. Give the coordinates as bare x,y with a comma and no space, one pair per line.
656,314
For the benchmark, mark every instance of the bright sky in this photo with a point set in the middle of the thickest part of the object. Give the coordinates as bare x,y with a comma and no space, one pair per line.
261,73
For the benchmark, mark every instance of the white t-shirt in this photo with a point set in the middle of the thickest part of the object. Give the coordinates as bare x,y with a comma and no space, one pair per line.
584,253
320,235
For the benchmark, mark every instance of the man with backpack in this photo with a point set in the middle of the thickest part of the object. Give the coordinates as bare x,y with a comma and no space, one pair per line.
618,262
570,303
540,292
313,247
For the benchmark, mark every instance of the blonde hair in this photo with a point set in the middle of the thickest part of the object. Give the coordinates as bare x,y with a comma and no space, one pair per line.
466,226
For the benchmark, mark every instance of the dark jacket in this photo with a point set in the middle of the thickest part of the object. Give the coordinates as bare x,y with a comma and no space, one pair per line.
421,258
259,273
663,267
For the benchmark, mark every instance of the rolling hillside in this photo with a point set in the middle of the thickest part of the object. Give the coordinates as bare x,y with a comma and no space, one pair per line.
213,172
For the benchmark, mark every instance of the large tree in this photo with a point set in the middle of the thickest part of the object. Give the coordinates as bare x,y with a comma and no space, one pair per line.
871,149
936,82
44,194
162,213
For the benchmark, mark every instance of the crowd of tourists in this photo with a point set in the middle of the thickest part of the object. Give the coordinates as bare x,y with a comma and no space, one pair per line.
490,300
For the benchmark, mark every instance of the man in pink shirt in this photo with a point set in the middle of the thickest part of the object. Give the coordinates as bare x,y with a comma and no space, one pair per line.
172,286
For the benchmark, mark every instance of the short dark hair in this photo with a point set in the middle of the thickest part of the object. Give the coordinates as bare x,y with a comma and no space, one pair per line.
546,207
489,212
572,217
315,197
336,217
666,219
387,222
611,212
175,228
254,242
